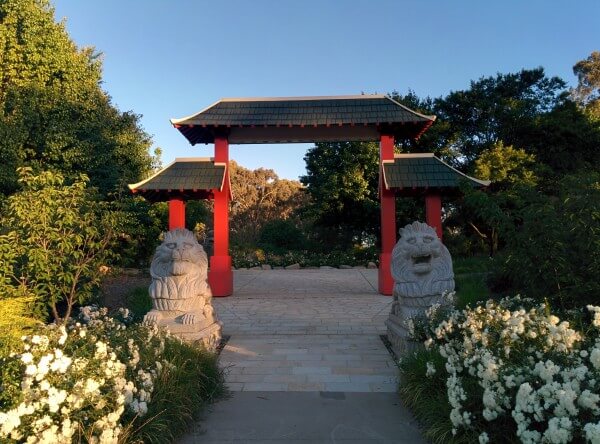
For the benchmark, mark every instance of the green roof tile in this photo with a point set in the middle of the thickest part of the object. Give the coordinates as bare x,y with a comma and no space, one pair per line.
423,171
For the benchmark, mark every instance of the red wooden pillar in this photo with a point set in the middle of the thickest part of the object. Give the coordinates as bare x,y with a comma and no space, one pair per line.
433,212
388,218
176,213
220,276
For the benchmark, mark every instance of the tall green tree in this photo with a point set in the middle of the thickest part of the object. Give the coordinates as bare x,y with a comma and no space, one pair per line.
342,179
493,109
260,197
587,92
552,253
527,110
491,214
53,113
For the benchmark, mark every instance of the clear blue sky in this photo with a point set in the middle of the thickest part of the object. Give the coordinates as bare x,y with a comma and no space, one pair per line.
166,59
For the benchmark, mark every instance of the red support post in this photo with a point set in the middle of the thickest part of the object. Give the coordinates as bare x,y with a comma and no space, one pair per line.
388,219
220,276
433,212
176,214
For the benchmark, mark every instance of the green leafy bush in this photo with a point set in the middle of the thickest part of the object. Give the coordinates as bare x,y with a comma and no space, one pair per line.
142,225
55,242
279,236
553,253
15,321
251,258
138,302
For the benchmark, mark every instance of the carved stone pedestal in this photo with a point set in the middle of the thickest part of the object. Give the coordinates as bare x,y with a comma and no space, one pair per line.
207,334
399,337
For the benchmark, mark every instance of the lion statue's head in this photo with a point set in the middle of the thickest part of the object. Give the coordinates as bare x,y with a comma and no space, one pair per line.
179,254
421,264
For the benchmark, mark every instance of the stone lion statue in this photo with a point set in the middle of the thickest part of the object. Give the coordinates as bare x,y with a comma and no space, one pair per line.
179,290
422,270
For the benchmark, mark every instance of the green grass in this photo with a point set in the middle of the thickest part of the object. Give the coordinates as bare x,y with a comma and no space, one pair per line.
426,397
138,302
471,289
180,394
472,264
470,276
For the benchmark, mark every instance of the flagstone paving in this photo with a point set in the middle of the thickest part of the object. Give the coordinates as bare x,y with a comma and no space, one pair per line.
306,330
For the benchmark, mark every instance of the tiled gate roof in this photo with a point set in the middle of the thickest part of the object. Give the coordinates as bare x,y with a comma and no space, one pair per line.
423,170
192,178
303,119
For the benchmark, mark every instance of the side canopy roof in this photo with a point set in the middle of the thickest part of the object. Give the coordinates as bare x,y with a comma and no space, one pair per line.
186,178
303,119
421,171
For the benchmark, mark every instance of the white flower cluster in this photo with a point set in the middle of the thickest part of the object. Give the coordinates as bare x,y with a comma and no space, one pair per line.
83,378
528,365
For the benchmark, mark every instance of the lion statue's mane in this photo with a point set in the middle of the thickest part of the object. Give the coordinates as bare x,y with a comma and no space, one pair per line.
421,264
179,278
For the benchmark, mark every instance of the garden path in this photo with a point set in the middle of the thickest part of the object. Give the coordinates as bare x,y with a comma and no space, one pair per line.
306,330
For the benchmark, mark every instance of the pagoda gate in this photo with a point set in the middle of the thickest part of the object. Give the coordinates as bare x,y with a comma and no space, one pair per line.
364,118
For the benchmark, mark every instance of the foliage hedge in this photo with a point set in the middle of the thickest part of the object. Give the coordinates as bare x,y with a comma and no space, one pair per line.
247,258
552,250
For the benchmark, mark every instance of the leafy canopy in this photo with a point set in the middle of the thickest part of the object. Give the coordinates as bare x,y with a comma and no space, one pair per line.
259,197
342,180
53,113
588,89
56,240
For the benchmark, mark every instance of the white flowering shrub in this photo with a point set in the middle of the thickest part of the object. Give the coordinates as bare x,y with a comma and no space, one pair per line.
511,369
86,380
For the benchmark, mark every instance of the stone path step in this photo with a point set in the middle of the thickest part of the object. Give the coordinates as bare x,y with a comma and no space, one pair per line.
339,363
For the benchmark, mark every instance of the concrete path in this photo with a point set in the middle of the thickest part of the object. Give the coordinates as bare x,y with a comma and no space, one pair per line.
305,362
307,418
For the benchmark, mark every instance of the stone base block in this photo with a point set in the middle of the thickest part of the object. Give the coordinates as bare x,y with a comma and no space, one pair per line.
176,326
208,332
209,337
399,337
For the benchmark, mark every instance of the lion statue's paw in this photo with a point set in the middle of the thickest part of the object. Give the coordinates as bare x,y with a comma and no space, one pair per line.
192,318
152,317
208,311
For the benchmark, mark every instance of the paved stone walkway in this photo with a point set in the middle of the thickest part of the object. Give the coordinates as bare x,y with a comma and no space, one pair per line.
306,330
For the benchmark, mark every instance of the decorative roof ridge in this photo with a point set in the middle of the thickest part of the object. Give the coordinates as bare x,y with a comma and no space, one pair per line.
300,98
485,183
404,155
425,116
133,186
175,121
192,159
